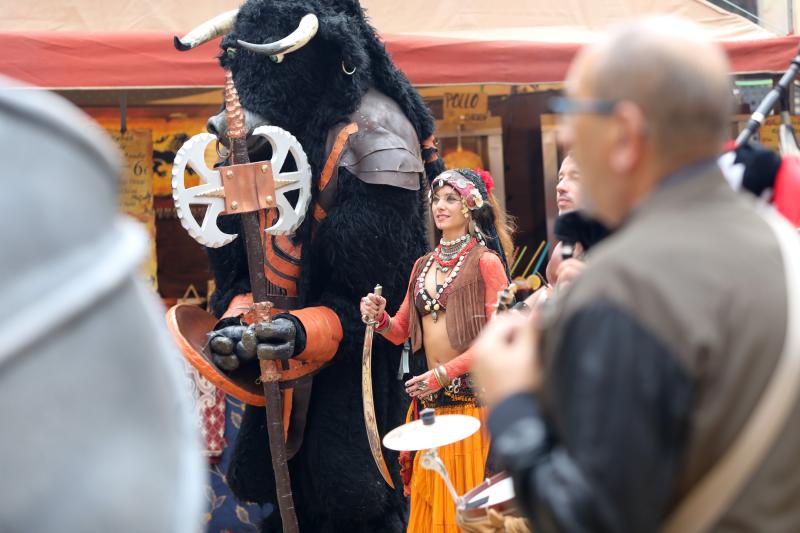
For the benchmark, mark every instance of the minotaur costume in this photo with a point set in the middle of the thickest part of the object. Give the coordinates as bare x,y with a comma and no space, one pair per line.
475,269
343,213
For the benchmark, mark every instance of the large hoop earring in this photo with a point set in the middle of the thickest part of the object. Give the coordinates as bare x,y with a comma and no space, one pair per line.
348,72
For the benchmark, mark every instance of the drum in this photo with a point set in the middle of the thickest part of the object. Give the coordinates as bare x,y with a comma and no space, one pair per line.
496,493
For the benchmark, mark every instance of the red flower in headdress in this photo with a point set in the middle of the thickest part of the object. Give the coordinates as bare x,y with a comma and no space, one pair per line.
487,178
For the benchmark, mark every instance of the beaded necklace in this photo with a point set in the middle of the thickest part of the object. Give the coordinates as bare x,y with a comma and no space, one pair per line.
455,242
447,252
433,304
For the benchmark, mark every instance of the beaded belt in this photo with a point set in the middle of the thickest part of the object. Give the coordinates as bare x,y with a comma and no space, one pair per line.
461,390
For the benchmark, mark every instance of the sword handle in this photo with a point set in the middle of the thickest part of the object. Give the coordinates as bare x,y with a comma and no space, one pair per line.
371,323
378,291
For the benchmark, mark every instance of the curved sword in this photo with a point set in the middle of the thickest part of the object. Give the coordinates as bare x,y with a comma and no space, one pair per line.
369,404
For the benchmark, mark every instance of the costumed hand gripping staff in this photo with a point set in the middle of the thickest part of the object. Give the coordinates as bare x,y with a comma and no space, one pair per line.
248,188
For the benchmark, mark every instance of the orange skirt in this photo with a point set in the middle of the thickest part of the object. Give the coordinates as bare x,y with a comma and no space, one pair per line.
432,507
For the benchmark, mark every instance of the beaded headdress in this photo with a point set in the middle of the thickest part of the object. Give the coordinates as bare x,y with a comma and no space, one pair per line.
472,197
468,183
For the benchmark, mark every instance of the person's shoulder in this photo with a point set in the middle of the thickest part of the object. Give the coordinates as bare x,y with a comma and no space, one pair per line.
490,258
421,261
492,269
417,268
384,149
490,261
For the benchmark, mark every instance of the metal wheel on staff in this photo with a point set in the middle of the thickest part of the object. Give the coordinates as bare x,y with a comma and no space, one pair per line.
211,192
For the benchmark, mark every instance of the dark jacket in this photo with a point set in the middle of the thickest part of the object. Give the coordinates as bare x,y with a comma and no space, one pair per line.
654,359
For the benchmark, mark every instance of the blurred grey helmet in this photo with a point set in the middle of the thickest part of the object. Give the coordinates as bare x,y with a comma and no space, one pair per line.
98,431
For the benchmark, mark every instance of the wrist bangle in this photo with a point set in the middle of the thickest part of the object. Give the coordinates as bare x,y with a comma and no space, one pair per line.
388,325
440,373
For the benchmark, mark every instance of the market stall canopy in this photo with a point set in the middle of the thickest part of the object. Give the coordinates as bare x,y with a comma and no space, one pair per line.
84,43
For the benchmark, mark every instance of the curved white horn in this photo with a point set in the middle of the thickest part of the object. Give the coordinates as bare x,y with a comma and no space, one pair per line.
206,31
305,31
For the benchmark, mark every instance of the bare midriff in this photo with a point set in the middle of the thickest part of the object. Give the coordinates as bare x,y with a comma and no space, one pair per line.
434,334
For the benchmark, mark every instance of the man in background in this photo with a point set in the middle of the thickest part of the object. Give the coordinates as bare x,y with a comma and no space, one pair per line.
568,187
568,199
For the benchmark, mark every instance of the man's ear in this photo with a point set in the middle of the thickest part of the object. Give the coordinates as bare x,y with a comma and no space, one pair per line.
629,138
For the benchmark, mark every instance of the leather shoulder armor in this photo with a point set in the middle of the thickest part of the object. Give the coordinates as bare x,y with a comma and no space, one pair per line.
385,149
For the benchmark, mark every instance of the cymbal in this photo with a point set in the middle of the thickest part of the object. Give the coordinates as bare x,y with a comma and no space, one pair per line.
431,432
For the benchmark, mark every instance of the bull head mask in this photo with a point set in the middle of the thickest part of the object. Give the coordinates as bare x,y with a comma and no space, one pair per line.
211,193
223,23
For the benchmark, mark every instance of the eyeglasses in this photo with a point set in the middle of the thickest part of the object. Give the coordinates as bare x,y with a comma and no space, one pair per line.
567,106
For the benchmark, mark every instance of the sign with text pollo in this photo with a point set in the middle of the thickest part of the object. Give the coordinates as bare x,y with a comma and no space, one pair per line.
466,106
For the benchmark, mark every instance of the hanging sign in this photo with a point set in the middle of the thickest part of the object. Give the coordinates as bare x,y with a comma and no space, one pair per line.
170,128
466,106
136,196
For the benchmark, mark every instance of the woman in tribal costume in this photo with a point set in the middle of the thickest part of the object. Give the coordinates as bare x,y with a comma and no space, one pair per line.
452,293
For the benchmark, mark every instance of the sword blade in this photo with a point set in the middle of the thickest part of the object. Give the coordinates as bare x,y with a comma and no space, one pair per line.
369,405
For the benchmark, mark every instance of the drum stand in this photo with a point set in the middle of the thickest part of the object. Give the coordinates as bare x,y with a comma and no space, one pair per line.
430,460
429,435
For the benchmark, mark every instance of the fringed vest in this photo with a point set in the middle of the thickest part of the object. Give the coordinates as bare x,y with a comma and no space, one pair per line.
465,314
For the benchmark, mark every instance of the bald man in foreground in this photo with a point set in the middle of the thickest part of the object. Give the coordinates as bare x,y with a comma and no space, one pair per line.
670,344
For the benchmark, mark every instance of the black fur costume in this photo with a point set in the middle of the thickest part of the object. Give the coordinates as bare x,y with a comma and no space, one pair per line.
372,235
